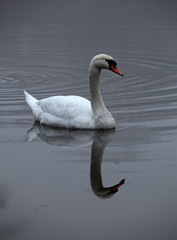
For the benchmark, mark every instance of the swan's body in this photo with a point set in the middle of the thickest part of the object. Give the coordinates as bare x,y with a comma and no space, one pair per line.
76,111
62,111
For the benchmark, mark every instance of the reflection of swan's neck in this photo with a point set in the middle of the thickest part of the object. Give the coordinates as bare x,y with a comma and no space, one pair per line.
95,95
101,140
95,168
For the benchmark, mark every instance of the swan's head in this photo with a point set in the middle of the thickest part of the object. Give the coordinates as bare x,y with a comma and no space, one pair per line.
103,61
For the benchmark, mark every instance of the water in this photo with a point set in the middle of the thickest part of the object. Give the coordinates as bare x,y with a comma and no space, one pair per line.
57,183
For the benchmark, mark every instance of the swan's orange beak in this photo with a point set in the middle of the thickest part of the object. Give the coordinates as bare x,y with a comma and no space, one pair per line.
114,69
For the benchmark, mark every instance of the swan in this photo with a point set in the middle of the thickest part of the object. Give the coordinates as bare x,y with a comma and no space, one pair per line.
75,111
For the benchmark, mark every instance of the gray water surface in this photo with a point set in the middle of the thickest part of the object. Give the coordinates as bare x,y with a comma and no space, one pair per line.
59,184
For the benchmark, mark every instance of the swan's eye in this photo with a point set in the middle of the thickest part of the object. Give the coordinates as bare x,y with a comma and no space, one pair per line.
111,62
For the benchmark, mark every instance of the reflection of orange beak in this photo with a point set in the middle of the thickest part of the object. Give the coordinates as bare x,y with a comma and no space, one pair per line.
114,69
115,187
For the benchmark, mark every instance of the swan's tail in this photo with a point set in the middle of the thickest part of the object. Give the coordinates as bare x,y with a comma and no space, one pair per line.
32,102
30,99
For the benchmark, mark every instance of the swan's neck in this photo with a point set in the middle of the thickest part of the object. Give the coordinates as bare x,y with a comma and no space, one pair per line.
102,117
95,95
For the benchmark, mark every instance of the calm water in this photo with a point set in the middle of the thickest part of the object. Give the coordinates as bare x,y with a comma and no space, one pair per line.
57,184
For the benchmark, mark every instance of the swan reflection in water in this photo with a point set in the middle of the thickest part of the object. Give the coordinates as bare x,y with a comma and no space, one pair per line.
79,138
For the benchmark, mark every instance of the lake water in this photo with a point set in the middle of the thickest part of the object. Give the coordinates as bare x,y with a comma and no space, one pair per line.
59,184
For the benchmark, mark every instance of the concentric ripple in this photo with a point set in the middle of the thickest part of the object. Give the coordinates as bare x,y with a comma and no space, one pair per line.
39,81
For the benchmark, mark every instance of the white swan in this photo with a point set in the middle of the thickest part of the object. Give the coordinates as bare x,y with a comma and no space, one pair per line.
75,111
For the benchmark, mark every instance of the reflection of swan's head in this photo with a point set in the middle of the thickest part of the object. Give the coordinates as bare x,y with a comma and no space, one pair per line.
103,61
107,192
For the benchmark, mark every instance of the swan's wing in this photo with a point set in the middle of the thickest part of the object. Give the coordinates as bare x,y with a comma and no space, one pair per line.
66,111
65,106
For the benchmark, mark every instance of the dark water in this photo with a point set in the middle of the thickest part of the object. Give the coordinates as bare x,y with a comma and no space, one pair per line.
56,184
